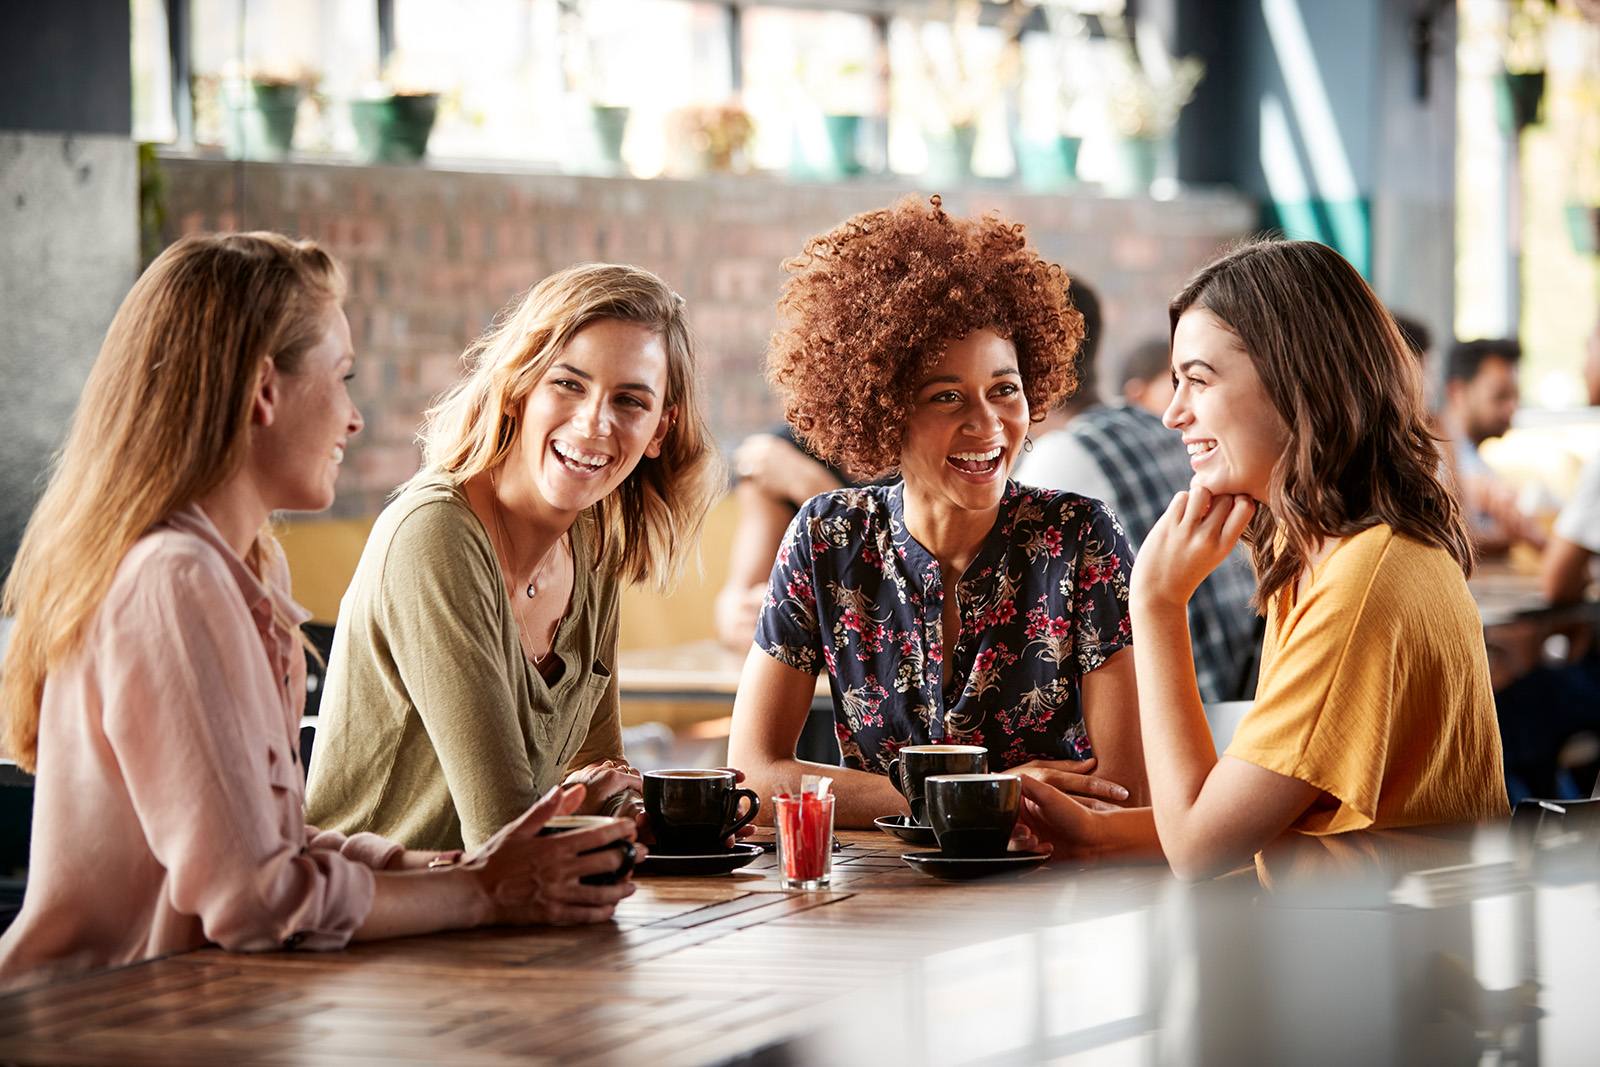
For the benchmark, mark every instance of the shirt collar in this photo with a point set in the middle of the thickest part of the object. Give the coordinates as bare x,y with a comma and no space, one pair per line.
258,595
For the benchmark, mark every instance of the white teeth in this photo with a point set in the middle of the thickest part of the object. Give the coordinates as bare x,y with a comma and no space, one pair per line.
977,457
338,453
1198,448
569,453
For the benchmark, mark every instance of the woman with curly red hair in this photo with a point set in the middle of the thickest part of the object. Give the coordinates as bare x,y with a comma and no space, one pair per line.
953,605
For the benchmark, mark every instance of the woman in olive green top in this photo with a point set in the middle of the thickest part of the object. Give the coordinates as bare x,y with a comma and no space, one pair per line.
473,666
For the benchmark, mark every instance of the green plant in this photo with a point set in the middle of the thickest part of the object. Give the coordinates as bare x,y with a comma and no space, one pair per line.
153,187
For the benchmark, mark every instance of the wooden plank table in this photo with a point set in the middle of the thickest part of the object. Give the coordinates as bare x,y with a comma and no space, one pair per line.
888,967
691,971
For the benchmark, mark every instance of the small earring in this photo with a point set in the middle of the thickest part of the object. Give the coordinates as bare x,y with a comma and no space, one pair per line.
1027,443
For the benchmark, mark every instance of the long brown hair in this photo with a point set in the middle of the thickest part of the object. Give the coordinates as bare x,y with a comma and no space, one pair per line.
650,527
164,418
1337,370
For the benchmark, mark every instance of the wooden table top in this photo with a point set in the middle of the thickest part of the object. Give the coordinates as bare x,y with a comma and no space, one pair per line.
691,971
888,966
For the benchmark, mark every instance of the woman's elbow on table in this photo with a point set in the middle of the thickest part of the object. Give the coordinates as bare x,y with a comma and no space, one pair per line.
314,900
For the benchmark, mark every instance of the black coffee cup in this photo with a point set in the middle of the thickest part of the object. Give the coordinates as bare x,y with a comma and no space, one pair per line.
692,811
915,762
973,814
560,824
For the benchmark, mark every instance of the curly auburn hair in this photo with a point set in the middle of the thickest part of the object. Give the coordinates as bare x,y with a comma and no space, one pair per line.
872,304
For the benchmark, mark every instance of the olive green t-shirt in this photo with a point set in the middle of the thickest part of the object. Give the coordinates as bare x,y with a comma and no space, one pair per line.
435,729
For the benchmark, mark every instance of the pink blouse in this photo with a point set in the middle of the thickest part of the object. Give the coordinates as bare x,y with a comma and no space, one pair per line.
169,804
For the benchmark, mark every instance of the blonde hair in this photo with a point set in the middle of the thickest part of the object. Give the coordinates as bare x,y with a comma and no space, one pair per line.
164,418
650,527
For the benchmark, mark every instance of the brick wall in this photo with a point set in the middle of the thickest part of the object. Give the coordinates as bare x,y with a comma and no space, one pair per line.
433,255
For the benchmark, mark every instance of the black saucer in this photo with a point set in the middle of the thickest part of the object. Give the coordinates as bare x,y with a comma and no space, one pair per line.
959,867
716,863
902,827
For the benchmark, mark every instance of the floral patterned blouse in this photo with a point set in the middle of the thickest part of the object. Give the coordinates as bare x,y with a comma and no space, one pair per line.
1044,603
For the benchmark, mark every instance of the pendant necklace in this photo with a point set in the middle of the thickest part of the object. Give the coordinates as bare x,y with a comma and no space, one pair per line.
505,540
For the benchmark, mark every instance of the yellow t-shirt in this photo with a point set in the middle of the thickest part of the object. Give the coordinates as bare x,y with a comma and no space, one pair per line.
1375,689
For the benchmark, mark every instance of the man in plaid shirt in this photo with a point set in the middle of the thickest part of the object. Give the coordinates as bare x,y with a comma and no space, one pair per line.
1122,454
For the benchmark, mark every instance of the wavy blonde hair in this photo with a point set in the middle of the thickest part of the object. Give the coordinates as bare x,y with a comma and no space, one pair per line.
650,527
164,418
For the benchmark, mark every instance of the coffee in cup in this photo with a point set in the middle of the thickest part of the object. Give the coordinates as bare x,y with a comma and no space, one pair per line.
915,762
560,824
692,811
973,814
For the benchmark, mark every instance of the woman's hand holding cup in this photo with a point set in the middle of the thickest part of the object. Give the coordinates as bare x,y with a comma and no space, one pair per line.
526,877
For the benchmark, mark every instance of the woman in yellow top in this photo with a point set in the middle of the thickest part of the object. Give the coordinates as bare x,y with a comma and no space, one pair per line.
1303,416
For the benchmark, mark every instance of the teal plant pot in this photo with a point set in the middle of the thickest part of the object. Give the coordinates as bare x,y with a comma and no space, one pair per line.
950,156
844,132
1048,164
610,127
261,127
1517,100
394,129
1136,167
1583,226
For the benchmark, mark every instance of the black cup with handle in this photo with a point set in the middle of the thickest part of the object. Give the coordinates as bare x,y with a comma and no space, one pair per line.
973,814
561,824
911,767
693,810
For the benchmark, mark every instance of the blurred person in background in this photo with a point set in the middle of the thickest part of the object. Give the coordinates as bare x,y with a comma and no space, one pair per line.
1548,705
474,663
1480,401
1121,453
1146,373
775,476
155,678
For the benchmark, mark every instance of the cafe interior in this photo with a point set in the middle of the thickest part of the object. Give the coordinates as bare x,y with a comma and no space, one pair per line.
452,155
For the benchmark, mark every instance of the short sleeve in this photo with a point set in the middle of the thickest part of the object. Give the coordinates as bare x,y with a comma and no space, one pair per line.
1323,709
1099,595
788,628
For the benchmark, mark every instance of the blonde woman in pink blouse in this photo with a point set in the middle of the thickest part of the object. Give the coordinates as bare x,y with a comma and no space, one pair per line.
154,682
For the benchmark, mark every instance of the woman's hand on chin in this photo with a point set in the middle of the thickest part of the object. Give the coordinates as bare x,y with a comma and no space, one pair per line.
1188,542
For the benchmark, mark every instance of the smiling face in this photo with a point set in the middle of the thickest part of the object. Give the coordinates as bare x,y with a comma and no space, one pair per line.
593,414
1234,434
968,420
299,453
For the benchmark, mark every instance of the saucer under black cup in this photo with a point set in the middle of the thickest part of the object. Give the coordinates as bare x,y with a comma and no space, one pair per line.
901,827
698,866
961,868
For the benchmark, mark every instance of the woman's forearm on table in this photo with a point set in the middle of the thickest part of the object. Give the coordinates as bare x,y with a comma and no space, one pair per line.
408,902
